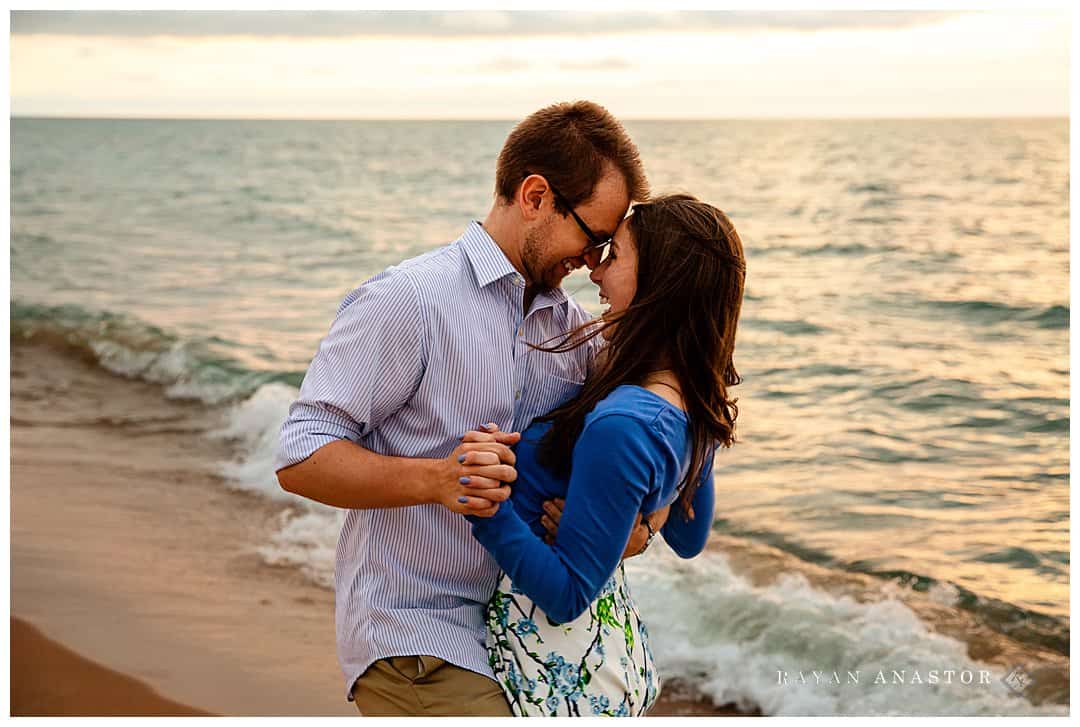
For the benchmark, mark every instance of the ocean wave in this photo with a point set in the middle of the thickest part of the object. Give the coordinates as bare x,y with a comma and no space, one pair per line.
811,371
306,533
1026,626
306,539
877,220
736,641
252,427
728,639
965,404
872,188
745,627
992,312
854,249
188,368
1021,624
792,327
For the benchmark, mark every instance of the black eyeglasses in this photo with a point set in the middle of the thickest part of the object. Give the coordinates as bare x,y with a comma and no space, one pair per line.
598,242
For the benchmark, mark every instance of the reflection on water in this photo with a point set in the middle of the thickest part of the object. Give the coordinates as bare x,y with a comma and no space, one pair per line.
903,345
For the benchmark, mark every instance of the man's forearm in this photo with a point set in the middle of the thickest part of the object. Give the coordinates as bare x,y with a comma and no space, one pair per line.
344,474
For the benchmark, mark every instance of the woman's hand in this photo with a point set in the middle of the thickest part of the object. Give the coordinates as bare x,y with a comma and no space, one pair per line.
479,470
490,432
638,536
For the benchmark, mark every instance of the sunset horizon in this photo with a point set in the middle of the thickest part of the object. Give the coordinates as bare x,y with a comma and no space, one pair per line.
502,65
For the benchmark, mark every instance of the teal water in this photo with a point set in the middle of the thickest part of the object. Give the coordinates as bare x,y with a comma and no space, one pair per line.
904,341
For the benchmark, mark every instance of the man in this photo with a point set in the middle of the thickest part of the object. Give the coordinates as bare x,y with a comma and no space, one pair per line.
418,355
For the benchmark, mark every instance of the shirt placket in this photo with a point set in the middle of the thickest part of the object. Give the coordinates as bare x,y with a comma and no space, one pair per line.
521,350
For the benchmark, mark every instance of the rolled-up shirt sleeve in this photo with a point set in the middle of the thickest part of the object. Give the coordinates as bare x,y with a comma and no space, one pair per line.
366,368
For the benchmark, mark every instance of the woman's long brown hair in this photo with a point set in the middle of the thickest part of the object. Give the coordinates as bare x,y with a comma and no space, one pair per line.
690,278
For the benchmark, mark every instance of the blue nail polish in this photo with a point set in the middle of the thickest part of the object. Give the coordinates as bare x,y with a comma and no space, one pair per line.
464,480
463,500
461,458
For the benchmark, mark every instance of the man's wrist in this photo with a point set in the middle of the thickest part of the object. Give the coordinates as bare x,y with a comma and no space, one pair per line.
427,479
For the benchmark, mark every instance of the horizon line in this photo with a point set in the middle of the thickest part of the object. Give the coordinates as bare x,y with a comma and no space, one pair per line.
69,117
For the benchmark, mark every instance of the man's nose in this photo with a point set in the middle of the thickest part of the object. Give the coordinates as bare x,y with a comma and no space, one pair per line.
592,258
595,275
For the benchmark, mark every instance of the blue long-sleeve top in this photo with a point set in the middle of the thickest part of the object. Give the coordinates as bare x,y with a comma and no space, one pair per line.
629,458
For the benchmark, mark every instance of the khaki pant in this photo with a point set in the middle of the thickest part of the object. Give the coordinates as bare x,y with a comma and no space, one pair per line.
403,686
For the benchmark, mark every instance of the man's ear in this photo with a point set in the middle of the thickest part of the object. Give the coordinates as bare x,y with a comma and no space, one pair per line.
530,197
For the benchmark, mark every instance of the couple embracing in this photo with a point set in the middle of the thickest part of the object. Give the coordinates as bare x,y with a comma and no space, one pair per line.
500,452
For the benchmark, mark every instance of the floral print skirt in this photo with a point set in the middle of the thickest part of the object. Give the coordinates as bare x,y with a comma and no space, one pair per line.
598,664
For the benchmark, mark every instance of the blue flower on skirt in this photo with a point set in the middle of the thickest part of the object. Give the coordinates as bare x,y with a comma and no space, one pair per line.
599,704
525,627
553,703
570,673
623,710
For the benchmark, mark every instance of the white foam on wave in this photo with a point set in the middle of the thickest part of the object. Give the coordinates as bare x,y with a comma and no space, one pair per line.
734,641
944,593
253,426
307,532
307,540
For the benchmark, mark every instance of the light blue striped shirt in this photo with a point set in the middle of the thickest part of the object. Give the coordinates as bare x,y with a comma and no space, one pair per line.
415,357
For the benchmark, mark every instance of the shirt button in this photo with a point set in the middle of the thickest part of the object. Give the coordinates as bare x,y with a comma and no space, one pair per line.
518,394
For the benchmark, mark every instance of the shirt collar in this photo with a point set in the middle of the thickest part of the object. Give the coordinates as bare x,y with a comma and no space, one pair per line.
489,262
549,298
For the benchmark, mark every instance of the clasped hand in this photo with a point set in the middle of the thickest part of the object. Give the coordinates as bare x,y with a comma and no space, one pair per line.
482,467
477,474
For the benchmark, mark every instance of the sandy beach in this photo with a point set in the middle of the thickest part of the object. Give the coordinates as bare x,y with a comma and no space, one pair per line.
76,686
136,588
127,550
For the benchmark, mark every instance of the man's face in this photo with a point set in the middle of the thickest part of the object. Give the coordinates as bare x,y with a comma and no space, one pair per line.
553,249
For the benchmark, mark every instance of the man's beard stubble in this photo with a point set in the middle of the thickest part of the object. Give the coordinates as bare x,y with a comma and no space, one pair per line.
532,259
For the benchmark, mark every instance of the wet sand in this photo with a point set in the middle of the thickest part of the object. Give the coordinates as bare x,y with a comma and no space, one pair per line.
133,567
49,680
130,552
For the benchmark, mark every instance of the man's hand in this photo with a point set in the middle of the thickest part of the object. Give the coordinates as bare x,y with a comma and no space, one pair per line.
638,536
471,480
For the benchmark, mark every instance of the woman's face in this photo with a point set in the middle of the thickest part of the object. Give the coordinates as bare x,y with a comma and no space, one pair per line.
617,273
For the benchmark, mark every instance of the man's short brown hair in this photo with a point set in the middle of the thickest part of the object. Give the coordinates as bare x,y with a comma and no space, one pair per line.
569,143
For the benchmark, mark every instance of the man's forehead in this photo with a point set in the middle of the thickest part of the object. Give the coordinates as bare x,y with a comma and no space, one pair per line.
609,205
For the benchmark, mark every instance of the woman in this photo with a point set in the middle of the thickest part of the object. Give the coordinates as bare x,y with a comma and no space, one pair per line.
564,637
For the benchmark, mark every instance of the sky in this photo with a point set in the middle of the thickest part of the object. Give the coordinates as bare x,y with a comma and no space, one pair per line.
506,64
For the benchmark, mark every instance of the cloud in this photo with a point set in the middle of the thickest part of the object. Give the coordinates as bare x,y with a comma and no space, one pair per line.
504,64
326,24
601,64
510,64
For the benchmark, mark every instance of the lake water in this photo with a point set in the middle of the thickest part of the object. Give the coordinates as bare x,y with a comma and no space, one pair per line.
904,342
